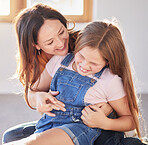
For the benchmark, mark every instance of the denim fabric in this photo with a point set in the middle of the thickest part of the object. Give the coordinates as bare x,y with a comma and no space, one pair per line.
24,130
72,87
80,134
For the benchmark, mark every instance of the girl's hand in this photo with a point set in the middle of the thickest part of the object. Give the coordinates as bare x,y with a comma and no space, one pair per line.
93,116
45,102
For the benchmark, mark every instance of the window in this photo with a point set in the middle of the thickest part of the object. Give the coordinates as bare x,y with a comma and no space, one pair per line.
9,9
5,7
73,10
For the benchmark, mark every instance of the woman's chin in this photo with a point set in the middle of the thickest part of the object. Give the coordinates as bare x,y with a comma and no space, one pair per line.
62,52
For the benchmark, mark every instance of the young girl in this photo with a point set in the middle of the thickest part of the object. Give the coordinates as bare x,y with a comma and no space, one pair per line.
99,72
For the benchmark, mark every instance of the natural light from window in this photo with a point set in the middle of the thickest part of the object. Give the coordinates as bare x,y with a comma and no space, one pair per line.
66,7
4,7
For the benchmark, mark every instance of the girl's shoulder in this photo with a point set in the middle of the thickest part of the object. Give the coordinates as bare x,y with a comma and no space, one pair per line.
108,76
113,85
56,59
109,79
54,63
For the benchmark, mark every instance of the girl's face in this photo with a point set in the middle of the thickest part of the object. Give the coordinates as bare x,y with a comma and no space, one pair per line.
53,38
89,61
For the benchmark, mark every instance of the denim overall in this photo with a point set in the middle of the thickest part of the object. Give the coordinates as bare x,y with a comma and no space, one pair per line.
72,87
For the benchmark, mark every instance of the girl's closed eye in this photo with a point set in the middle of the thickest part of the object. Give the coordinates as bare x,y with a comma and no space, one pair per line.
94,63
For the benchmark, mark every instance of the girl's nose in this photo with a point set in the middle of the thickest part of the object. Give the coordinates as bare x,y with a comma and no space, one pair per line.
85,64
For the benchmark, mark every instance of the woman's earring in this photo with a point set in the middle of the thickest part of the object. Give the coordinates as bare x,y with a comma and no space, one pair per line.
39,52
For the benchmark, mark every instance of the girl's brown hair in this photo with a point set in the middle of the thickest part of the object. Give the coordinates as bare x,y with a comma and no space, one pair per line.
107,38
27,24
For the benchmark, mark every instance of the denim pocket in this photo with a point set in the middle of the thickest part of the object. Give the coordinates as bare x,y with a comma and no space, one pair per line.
68,90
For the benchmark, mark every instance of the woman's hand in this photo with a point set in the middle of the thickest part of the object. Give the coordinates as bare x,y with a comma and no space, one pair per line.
94,116
45,102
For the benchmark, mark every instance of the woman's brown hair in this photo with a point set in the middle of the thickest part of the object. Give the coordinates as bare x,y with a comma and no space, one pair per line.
27,25
107,38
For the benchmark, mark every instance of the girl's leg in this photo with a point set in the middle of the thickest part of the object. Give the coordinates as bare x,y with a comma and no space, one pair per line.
53,136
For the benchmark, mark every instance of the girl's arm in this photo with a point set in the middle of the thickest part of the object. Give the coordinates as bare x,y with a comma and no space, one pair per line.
97,118
41,99
125,121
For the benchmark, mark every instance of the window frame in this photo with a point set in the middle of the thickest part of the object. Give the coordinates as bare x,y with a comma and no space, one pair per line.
87,15
18,5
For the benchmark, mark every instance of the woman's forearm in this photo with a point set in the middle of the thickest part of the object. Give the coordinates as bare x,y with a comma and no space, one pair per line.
32,95
123,123
39,89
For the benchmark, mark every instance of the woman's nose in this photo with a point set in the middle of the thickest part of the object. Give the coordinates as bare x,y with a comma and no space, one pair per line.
60,42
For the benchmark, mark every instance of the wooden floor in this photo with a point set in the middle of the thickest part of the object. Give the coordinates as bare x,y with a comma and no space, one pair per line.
14,111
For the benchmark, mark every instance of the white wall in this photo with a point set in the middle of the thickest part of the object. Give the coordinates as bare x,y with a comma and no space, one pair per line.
8,49
133,18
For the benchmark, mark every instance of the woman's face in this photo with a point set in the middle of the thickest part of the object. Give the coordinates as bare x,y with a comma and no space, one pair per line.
53,38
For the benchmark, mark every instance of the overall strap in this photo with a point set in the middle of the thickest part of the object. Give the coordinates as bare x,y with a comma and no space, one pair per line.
100,72
66,61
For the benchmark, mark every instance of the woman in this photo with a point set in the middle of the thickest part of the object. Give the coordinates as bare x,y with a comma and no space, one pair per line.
38,41
42,32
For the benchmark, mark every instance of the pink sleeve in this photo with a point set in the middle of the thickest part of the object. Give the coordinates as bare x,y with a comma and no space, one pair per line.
53,64
115,89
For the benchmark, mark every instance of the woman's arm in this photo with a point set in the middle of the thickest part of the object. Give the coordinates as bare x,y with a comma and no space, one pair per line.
41,99
97,118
